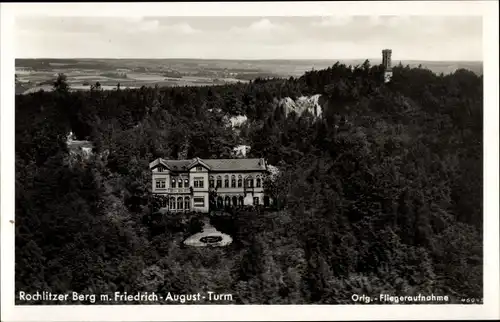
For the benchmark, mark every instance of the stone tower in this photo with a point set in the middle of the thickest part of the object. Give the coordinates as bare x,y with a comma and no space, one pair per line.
387,64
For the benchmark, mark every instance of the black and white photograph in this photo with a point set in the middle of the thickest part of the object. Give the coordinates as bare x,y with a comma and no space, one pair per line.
185,159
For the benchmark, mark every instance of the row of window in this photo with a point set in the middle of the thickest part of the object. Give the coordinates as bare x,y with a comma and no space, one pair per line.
184,203
177,183
161,169
234,201
199,182
248,182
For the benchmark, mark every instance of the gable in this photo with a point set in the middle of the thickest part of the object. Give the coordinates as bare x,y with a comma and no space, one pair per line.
156,163
197,162
160,168
171,165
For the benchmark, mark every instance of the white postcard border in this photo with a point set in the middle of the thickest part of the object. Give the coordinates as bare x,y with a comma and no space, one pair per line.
490,309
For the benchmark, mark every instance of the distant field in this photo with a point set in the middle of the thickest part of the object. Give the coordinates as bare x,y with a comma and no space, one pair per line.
81,80
35,73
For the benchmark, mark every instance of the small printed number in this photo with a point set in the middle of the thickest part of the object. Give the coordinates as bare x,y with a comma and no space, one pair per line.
472,300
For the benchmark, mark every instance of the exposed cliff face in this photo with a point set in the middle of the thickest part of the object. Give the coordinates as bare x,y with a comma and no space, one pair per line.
241,151
237,121
313,104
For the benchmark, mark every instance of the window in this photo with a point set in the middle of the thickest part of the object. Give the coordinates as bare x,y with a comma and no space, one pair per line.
199,201
211,182
187,203
160,169
266,201
186,183
235,201
172,203
179,203
161,184
249,182
240,181
198,182
219,182
180,183
199,168
227,201
240,199
256,201
174,183
226,182
233,181
259,183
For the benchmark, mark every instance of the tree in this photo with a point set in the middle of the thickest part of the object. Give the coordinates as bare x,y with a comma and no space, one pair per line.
61,84
96,87
382,194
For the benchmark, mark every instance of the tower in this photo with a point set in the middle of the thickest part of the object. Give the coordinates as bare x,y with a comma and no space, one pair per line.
387,64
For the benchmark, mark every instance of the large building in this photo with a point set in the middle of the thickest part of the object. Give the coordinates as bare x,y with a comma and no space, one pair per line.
187,183
387,64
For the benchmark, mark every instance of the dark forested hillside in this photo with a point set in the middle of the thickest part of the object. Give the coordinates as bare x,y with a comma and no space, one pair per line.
383,194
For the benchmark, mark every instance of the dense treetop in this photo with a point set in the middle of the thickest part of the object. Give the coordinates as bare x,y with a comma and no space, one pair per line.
382,194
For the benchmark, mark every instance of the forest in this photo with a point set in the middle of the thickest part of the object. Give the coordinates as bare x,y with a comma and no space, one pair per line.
383,194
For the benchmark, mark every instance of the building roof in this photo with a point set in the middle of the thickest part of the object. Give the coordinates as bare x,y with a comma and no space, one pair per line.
213,164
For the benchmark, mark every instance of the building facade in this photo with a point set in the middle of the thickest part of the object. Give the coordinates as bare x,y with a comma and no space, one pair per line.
202,184
387,64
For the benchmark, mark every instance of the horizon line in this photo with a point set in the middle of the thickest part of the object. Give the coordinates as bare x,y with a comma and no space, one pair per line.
250,59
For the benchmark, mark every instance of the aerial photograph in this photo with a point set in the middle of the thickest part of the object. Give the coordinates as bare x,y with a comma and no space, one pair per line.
180,160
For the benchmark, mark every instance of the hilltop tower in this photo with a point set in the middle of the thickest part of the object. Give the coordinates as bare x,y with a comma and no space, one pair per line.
387,64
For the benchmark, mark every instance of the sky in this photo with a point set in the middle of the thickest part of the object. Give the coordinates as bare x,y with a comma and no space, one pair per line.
332,37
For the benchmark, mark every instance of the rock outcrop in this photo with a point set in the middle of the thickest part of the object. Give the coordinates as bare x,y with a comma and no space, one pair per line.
312,104
241,151
237,121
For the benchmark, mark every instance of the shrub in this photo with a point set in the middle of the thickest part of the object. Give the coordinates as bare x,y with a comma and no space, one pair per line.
195,225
